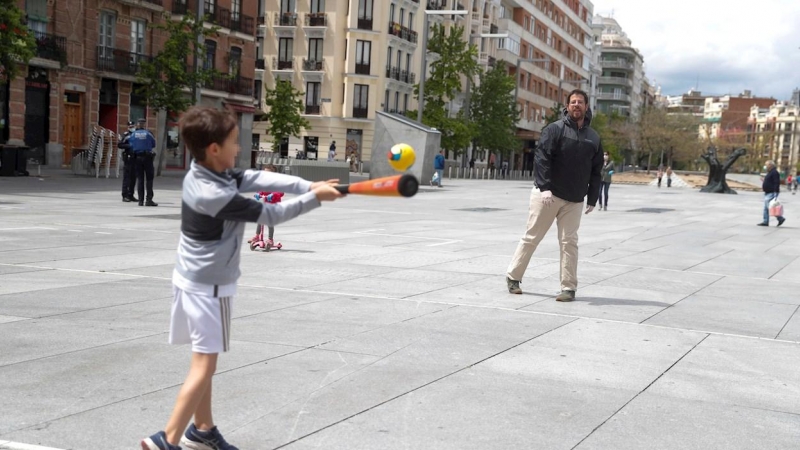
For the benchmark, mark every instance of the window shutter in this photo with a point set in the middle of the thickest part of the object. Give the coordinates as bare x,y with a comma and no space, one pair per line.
36,10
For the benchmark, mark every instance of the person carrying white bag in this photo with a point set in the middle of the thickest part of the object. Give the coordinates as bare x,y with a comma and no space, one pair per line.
772,188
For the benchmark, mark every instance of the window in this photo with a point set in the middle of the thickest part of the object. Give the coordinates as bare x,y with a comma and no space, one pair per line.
209,6
389,60
137,36
405,102
317,6
787,126
315,49
365,14
235,62
402,17
386,101
360,100
397,101
287,6
410,21
408,62
312,97
36,11
211,55
236,10
108,21
391,13
285,52
363,51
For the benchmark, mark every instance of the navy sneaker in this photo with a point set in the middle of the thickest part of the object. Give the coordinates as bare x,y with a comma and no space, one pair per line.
212,439
158,441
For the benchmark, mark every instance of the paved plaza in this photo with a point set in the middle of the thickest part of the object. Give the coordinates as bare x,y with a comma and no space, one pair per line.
386,324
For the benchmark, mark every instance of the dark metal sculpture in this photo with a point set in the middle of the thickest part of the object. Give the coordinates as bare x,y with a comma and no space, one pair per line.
717,171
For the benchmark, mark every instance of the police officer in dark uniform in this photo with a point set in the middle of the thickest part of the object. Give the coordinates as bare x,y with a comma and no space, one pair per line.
142,145
128,170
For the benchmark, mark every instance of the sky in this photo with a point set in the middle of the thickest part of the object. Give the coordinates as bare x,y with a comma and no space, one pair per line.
722,46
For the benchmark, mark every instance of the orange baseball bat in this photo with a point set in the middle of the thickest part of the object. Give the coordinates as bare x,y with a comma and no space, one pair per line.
405,185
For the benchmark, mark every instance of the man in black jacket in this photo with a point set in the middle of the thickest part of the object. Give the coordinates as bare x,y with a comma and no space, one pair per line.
128,171
567,165
771,187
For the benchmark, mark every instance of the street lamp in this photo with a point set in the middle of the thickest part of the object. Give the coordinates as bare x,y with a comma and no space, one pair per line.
423,71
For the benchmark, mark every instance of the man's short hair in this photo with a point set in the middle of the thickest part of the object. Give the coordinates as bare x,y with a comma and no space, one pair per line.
579,92
202,126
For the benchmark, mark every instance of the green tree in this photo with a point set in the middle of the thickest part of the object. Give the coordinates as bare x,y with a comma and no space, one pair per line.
17,43
457,60
165,79
555,114
285,105
667,137
494,112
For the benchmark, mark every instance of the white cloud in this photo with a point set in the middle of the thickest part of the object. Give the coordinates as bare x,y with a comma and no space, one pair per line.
729,45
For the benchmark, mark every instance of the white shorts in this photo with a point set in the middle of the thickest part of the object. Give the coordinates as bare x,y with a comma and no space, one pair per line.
201,318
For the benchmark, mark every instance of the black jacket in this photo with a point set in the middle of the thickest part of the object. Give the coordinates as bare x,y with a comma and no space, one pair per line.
568,161
772,182
125,143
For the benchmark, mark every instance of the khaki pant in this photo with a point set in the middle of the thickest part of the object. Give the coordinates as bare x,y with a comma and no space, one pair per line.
568,218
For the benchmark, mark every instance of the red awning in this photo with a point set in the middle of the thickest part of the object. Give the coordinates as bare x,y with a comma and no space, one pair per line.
240,108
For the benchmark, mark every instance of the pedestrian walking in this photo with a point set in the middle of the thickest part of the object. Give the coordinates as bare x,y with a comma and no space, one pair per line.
659,175
143,145
772,188
438,167
505,168
204,281
332,151
568,163
795,183
669,176
129,165
607,171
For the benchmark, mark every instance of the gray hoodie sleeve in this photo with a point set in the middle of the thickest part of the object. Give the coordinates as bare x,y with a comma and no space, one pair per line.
242,209
261,180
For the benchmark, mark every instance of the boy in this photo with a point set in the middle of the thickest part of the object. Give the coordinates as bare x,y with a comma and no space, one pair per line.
213,219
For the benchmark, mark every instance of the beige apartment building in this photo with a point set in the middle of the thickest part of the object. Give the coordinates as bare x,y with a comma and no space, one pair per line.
773,132
366,57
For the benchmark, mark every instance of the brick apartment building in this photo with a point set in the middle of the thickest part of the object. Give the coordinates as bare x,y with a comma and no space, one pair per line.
84,72
728,114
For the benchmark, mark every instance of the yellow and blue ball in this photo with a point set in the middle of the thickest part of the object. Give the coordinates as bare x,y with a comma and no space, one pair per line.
401,157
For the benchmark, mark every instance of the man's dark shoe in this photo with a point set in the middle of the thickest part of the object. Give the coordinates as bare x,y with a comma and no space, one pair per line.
150,203
141,203
781,220
513,286
566,296
126,199
762,224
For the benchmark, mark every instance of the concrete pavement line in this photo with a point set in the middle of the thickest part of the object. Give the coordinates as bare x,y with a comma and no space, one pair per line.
367,232
640,392
28,229
373,211
469,366
8,445
787,322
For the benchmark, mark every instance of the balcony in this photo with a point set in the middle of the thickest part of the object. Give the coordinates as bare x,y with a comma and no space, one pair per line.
313,109
613,96
317,19
236,85
616,64
222,17
50,46
364,23
362,69
393,73
404,33
155,5
243,24
360,112
310,65
621,81
261,65
281,64
407,77
119,61
436,5
285,19
314,24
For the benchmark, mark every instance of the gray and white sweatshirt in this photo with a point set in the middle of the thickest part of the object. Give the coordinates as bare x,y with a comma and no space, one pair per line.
213,217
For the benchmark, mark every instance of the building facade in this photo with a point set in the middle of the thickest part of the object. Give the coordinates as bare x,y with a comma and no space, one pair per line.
729,114
84,74
692,103
772,131
352,61
620,86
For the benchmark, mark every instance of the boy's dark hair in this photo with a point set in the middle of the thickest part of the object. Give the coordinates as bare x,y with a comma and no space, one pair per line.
202,126
579,92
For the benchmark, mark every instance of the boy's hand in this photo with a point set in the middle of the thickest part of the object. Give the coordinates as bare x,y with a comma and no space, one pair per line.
317,184
326,192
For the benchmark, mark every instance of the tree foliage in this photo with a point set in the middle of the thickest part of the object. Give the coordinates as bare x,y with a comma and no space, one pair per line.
672,137
166,77
456,60
285,105
17,42
614,133
554,114
493,109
